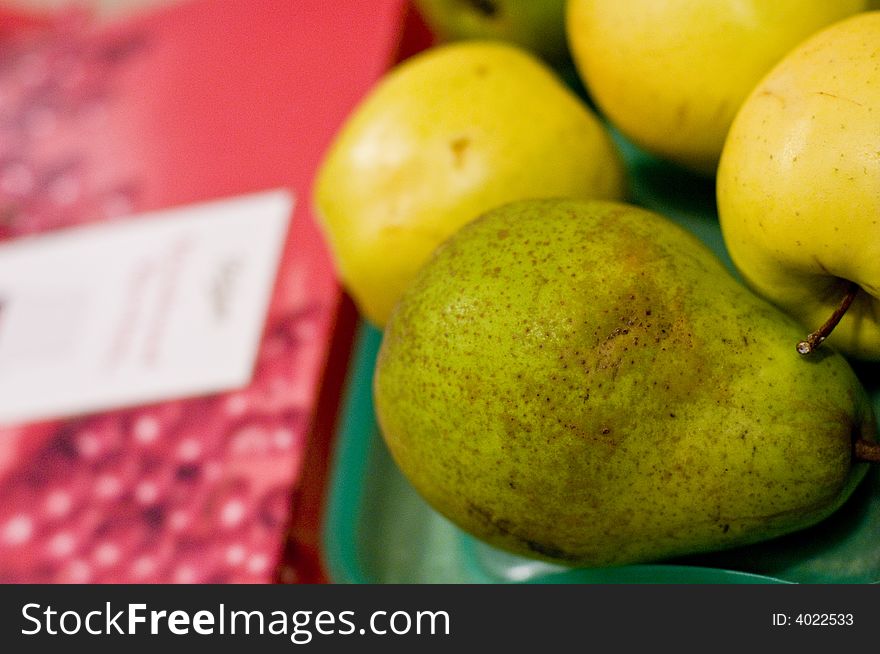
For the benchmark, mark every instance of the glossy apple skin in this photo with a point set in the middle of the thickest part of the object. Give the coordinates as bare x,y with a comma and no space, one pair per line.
671,74
799,183
444,137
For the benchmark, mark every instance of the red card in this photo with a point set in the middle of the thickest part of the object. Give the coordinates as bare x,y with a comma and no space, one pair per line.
200,101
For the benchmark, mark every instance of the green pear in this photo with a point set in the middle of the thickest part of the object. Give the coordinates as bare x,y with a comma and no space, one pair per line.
584,382
536,25
447,135
799,186
671,74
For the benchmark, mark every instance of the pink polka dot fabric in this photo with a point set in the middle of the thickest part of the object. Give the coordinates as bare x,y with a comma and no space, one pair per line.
101,122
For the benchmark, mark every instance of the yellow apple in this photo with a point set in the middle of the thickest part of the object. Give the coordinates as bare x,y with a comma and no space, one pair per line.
671,74
799,183
449,134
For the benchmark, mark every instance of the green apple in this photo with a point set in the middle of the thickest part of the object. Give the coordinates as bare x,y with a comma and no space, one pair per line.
799,184
449,134
537,25
671,74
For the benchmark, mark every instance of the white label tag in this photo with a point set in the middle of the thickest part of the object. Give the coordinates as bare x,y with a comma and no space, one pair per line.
164,305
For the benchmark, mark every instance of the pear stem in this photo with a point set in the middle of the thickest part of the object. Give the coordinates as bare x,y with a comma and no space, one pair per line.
867,451
814,340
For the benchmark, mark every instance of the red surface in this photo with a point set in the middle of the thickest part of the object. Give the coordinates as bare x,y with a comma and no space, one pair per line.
13,22
304,557
200,101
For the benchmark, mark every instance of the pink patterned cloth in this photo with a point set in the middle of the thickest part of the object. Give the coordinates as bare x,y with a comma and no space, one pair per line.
195,490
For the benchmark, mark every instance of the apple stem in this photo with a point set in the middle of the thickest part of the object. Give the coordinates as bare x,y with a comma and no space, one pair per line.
814,340
867,451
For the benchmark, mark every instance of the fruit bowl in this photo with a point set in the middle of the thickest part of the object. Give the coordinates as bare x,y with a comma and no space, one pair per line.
378,530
